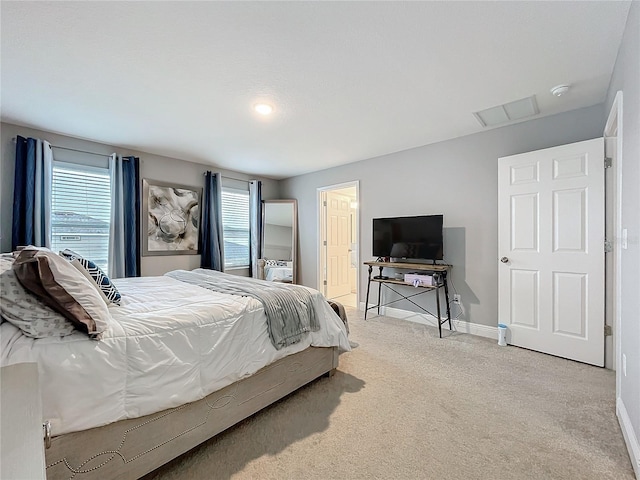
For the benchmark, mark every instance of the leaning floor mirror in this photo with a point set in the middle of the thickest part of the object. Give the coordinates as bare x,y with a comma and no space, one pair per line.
279,239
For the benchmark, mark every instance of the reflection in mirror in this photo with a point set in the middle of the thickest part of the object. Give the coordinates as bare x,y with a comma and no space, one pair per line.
279,237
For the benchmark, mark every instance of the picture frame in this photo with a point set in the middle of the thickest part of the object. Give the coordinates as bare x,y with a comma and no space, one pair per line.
171,216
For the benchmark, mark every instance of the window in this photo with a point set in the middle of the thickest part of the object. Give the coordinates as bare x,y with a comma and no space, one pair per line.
235,227
81,211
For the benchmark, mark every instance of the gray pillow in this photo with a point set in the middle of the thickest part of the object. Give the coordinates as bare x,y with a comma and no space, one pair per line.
24,310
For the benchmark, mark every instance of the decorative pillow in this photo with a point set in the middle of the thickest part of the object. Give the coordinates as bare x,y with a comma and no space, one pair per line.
63,288
24,310
95,272
76,263
270,263
281,263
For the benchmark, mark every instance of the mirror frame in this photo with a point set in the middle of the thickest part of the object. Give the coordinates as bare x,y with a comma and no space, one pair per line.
294,227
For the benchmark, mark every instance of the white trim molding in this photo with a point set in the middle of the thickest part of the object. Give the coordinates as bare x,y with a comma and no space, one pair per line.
629,436
613,128
320,213
459,326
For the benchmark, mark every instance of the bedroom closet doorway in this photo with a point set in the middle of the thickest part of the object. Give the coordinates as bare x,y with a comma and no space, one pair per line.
338,242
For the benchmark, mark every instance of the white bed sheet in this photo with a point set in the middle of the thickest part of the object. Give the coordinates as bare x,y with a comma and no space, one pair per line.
170,343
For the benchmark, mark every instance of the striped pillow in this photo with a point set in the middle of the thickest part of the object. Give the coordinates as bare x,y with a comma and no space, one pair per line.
97,275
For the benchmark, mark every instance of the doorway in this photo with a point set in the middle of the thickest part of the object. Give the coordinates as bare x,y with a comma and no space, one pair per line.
338,255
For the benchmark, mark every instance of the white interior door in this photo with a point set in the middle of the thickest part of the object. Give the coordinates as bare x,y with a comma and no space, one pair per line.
338,244
551,244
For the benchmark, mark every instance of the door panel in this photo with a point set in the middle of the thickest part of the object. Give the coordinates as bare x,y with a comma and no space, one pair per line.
527,173
569,221
524,222
551,238
569,303
525,299
571,166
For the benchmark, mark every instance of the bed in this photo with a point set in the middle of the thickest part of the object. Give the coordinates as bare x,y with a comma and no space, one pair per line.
275,270
179,364
278,274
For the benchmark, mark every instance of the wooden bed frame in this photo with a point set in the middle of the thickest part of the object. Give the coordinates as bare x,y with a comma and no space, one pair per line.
135,447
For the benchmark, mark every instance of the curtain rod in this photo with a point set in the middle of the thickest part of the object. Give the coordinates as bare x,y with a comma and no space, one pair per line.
81,151
231,178
14,139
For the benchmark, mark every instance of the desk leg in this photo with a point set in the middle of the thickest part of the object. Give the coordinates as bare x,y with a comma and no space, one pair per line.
379,289
438,307
366,302
446,297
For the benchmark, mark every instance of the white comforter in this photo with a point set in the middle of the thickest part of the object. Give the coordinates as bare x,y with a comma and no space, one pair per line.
170,343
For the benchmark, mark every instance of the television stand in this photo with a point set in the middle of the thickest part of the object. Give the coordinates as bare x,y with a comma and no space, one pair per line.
442,284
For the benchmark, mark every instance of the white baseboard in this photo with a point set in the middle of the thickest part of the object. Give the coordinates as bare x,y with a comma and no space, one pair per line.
629,434
476,329
430,320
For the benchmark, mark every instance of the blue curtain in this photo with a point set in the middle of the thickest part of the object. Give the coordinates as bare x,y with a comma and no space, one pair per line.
124,243
32,193
131,210
255,225
211,241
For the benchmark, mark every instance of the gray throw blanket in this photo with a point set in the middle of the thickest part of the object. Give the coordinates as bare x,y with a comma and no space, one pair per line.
289,308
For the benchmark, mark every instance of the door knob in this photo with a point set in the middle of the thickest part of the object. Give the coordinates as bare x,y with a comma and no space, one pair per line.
504,260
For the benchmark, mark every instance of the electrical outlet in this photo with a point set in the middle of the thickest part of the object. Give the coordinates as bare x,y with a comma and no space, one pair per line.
456,299
624,364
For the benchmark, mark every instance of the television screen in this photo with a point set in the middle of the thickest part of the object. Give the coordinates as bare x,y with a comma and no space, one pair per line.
408,237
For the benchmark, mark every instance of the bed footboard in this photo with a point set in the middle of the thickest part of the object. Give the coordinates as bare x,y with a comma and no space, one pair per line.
133,448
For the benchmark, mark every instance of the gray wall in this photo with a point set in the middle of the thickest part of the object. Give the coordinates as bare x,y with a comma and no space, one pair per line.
152,167
626,77
458,178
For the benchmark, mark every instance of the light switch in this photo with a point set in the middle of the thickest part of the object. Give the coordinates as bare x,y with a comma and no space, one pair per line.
623,240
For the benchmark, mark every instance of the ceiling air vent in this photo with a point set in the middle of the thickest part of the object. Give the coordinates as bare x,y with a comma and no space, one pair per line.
509,112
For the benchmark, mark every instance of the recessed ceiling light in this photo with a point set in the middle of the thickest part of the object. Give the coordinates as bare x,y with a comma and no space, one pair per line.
560,90
263,108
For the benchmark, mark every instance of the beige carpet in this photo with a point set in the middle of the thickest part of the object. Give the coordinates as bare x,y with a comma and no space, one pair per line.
408,405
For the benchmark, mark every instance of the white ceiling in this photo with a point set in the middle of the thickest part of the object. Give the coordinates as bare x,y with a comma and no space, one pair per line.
349,80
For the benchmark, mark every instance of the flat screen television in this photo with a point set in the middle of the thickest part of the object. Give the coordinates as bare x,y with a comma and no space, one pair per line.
417,237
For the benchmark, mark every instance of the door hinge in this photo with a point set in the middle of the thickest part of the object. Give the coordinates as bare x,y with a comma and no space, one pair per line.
324,242
324,203
607,331
325,283
608,162
608,246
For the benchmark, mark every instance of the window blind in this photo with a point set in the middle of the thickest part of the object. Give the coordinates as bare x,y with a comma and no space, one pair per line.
235,227
81,211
